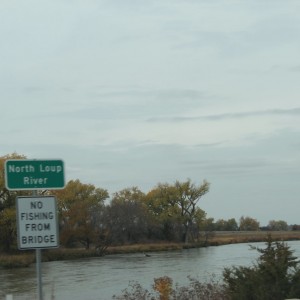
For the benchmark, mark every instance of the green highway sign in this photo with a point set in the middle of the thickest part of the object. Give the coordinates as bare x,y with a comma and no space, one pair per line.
26,174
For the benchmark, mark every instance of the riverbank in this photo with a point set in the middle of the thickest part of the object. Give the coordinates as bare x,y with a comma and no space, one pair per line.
233,237
26,258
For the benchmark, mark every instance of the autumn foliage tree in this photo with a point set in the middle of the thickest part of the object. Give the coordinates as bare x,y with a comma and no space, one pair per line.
164,215
226,225
248,224
8,231
188,195
168,212
279,225
127,216
178,202
79,207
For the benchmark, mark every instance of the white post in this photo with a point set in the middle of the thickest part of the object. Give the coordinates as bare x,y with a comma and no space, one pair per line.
9,297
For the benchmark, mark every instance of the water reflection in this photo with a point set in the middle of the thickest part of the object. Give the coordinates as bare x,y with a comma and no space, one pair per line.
15,280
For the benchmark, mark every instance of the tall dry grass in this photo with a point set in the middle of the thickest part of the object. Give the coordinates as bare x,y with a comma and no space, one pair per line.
16,260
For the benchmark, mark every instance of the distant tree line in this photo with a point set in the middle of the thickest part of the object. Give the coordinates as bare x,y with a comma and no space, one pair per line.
88,216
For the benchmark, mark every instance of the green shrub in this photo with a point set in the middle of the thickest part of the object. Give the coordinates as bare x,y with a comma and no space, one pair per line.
275,275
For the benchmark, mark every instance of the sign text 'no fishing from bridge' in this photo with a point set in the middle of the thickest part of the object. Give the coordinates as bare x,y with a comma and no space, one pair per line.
37,222
25,174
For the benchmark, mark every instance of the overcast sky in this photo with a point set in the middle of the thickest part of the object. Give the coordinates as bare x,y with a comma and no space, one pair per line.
136,93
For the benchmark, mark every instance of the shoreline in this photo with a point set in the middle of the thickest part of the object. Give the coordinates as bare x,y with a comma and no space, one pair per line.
215,239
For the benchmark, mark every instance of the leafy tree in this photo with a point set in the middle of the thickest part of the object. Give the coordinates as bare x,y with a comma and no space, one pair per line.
8,231
164,214
127,217
7,198
278,225
248,224
232,225
187,196
208,228
275,276
178,202
79,206
8,234
221,225
295,227
226,225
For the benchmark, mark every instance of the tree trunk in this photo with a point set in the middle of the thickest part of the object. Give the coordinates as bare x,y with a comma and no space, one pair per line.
186,233
87,244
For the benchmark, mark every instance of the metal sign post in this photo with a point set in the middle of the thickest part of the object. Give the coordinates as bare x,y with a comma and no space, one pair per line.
38,265
37,215
37,228
38,258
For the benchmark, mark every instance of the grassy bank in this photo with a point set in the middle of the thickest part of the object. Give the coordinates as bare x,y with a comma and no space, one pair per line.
234,237
16,260
24,259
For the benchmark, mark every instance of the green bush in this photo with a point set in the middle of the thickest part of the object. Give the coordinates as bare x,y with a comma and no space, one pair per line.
275,275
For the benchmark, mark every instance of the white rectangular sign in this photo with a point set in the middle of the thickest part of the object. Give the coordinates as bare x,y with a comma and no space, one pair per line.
37,222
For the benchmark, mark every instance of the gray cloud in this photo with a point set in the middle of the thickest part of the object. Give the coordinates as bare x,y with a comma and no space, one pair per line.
295,69
131,103
230,166
225,116
145,94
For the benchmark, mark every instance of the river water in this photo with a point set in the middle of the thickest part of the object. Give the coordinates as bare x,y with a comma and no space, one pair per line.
101,278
